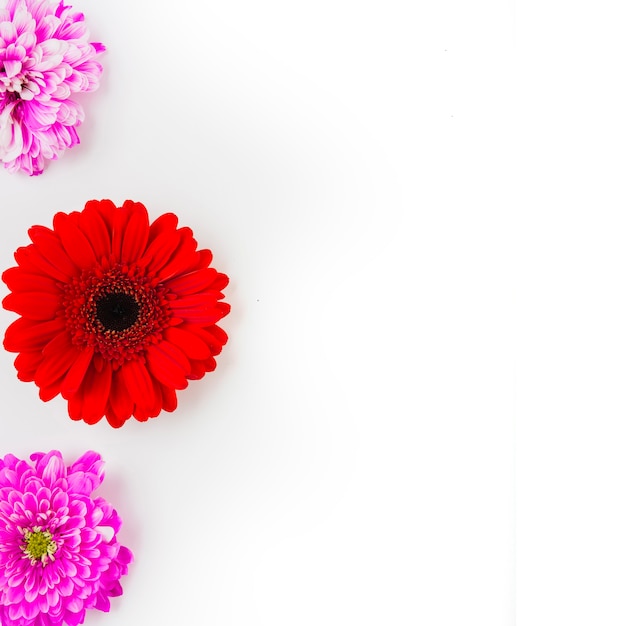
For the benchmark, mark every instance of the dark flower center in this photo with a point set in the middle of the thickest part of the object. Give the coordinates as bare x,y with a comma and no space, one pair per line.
117,311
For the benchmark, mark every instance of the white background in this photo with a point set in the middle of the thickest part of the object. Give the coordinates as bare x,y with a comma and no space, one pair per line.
421,209
571,297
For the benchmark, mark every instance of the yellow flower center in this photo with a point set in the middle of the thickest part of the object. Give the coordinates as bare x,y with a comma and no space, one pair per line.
39,545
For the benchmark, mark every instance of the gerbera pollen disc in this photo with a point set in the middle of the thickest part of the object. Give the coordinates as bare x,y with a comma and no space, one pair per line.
117,313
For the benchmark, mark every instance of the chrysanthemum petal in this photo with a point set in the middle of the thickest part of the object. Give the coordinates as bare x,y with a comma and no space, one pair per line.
90,462
51,467
65,587
103,603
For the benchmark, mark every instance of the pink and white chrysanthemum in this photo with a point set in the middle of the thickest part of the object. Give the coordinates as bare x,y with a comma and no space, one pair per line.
45,59
59,553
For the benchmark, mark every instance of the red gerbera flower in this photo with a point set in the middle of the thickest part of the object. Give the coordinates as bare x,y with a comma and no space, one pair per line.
116,313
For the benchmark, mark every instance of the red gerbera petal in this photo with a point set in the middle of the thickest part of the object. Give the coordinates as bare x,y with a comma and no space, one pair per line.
193,282
183,259
160,251
190,343
137,380
76,373
201,309
116,313
99,384
47,244
168,365
95,229
26,364
170,401
73,241
58,357
19,280
136,234
118,230
33,305
166,223
25,334
121,404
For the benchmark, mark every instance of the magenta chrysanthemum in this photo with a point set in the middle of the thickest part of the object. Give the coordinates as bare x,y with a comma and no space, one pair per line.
59,553
45,58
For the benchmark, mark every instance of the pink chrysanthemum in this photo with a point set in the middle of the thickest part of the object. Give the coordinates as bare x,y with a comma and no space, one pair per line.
45,58
59,553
